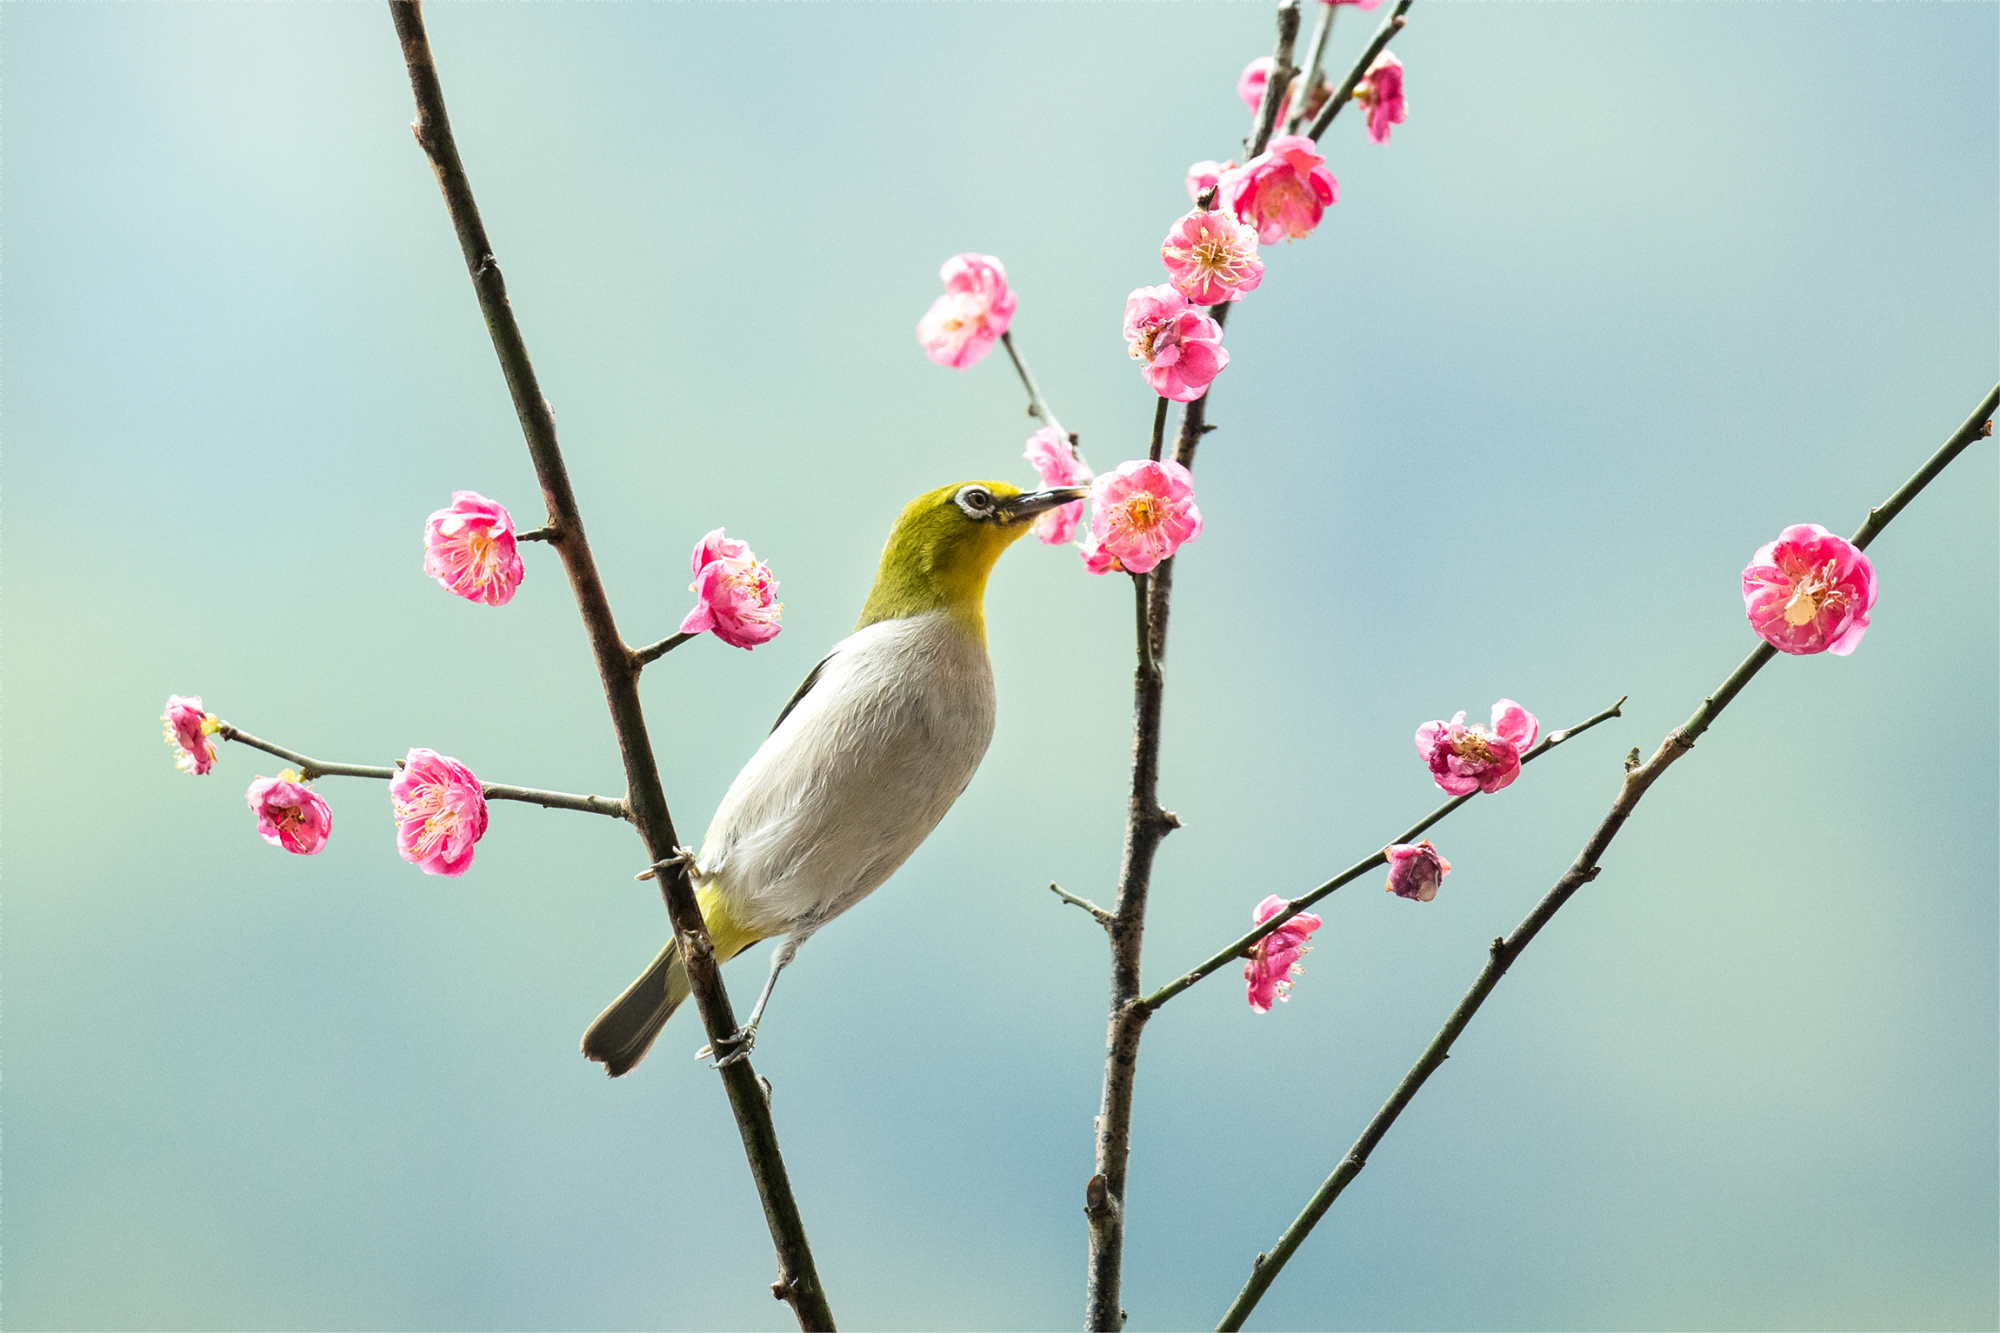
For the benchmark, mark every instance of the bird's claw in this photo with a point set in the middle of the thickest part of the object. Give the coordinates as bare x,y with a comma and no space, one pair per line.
732,1048
683,856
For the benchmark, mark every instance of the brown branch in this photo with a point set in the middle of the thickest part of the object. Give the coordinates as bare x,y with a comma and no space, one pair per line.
798,1281
1345,93
1582,871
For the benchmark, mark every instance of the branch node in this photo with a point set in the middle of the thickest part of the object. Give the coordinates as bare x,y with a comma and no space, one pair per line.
1102,917
1632,759
1986,429
1208,426
1498,947
1096,1193
1170,820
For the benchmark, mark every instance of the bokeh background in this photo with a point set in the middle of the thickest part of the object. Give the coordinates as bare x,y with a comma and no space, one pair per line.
1634,287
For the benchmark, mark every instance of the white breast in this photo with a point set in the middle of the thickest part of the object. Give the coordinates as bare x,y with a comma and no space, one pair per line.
855,777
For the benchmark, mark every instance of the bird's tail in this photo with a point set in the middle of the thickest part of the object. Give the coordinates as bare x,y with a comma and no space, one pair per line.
622,1034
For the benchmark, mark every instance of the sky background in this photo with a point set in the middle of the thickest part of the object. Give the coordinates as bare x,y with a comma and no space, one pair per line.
1634,287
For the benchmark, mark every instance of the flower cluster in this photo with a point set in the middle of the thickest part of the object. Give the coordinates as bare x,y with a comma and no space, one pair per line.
962,325
470,549
188,731
1055,460
1268,975
440,813
1809,592
737,595
1466,759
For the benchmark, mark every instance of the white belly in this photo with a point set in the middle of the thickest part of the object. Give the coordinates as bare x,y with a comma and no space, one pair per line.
855,777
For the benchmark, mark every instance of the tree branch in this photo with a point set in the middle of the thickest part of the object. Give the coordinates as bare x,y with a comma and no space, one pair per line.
653,652
1038,406
1282,73
1345,93
799,1282
1102,917
1309,72
1585,869
1242,947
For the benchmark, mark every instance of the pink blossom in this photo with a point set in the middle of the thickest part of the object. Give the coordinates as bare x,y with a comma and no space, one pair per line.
1282,191
1477,758
1381,91
962,325
1211,258
469,549
1809,591
1415,870
1056,463
1358,4
1271,968
1202,176
188,731
738,596
440,813
1098,560
290,814
1182,347
1256,75
1142,513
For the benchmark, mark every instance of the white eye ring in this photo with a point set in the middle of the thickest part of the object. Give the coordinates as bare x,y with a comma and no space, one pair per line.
976,501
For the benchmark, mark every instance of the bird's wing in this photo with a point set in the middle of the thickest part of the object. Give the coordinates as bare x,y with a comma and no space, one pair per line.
812,678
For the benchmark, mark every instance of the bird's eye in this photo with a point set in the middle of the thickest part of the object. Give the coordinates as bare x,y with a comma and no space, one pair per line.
976,501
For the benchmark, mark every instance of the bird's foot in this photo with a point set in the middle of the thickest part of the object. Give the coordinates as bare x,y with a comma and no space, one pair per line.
732,1048
683,856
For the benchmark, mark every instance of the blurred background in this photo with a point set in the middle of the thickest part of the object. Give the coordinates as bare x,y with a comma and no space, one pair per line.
1633,288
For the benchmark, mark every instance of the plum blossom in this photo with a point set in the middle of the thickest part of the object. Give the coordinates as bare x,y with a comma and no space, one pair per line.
1381,91
962,325
1415,870
1202,176
737,594
1283,191
1182,347
188,731
1268,975
1141,514
1056,463
1098,560
1809,591
290,814
1476,758
470,550
1251,83
440,813
1211,258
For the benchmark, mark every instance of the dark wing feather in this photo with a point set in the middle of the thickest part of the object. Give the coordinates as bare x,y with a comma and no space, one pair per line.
812,678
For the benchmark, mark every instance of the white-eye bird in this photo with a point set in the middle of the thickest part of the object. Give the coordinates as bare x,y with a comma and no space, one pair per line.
864,760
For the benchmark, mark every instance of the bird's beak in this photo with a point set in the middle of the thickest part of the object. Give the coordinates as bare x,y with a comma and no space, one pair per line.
1036,502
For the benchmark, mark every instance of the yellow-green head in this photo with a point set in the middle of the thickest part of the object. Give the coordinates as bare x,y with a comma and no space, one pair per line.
944,545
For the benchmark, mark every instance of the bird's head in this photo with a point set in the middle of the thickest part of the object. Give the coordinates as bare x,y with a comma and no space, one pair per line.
944,546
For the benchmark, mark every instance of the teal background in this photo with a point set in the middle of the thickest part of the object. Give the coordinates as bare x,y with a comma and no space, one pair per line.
1635,286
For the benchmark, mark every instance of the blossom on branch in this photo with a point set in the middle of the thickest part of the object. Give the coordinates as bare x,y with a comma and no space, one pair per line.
736,591
1809,591
1141,514
1381,91
470,549
440,813
1283,191
1211,257
1268,975
1415,870
1475,758
962,325
1182,347
1251,83
188,731
1055,462
290,814
1202,176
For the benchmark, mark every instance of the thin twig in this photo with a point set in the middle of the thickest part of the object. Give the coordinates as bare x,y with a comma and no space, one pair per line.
1282,71
1585,869
1103,917
536,535
1159,431
1345,92
653,652
798,1282
1038,406
1242,947
1309,76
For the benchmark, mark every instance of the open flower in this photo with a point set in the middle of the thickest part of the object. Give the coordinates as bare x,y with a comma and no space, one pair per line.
1477,758
1056,463
1282,191
469,549
1268,975
1251,83
737,594
1415,870
1142,513
440,813
1182,347
1202,176
1211,257
962,325
1809,591
290,814
1381,91
188,731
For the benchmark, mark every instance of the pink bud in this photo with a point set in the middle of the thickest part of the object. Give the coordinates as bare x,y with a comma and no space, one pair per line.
188,731
1143,512
440,813
1381,91
736,592
1212,258
290,814
1182,347
1415,870
1202,176
1475,758
1283,191
1055,462
962,325
1268,975
469,549
1809,591
1256,75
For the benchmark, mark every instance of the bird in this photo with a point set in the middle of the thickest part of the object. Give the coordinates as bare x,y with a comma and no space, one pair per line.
864,760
